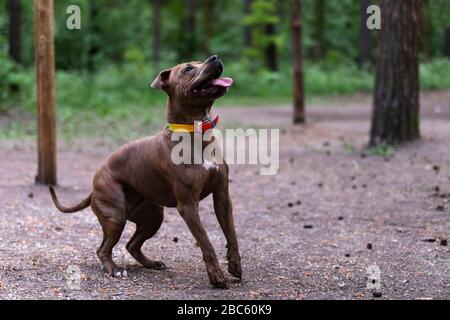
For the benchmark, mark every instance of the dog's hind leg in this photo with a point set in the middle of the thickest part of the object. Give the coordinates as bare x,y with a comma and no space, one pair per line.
148,219
108,204
112,230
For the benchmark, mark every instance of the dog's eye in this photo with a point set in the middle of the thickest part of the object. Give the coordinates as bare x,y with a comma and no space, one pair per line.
188,69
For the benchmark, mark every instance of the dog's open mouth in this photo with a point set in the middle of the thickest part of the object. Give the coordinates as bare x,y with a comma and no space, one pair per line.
212,86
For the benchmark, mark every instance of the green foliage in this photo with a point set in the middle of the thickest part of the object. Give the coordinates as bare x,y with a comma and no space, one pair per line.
440,19
6,72
382,150
113,86
11,75
120,99
263,13
341,32
122,25
122,31
435,74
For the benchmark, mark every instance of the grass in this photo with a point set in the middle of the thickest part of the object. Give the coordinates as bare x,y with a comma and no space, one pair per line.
117,102
382,150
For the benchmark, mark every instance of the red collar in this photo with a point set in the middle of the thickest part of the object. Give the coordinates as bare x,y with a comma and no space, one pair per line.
209,124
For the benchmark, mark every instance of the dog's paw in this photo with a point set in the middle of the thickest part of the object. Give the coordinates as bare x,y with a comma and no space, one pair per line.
235,269
217,279
118,273
155,265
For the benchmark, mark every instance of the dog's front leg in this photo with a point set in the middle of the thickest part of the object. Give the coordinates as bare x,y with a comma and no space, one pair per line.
188,209
224,212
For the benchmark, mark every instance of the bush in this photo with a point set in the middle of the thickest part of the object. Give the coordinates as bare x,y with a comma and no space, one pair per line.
10,76
435,74
113,88
117,101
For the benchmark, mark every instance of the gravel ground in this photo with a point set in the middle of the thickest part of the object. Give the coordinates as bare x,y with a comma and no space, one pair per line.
309,232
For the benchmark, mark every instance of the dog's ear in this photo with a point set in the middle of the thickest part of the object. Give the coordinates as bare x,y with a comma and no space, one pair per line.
161,79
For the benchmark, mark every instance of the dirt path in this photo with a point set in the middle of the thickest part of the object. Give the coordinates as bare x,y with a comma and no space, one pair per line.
305,233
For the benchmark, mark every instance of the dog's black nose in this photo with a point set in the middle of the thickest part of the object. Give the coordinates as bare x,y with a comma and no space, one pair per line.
214,59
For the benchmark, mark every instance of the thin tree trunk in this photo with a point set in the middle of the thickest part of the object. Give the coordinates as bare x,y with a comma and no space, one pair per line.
191,29
94,43
365,39
14,10
319,12
247,29
447,42
425,27
271,50
395,116
157,31
207,26
45,79
297,57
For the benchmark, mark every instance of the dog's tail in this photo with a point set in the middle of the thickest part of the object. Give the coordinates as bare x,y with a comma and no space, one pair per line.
82,205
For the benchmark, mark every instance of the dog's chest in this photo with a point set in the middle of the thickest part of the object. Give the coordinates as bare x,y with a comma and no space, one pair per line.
210,165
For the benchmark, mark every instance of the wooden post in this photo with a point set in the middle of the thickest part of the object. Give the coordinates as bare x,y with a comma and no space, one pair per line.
297,58
45,79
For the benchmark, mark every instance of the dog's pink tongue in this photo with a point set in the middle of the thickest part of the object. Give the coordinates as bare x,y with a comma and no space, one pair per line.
223,82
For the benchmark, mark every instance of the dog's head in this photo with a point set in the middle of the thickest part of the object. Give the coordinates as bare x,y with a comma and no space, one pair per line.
195,81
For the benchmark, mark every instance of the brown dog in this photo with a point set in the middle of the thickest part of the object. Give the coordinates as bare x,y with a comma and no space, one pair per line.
140,179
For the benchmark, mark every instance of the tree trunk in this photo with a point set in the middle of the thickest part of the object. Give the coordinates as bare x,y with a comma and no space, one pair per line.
319,12
425,27
45,80
247,29
297,55
94,42
191,29
207,26
271,50
395,116
157,31
365,39
14,10
447,42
